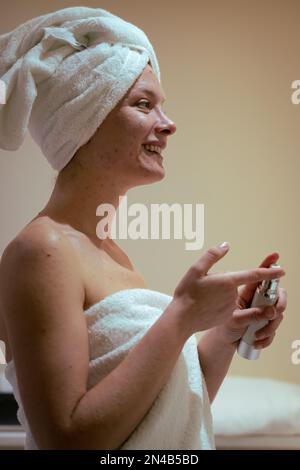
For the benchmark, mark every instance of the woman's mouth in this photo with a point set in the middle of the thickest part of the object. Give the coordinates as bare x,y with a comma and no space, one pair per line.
153,154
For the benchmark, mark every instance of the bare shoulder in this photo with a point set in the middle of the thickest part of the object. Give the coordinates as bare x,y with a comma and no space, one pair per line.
40,254
39,231
39,240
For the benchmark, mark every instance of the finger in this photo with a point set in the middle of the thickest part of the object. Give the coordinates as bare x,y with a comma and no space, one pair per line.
281,303
209,258
246,293
270,259
255,275
248,316
270,328
277,315
245,317
264,342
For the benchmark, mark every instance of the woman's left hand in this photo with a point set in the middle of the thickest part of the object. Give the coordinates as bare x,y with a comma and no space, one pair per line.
231,331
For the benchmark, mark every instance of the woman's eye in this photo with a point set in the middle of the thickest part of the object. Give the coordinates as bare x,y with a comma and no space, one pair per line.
144,102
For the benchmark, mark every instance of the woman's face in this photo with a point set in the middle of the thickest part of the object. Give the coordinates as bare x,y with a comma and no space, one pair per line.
118,144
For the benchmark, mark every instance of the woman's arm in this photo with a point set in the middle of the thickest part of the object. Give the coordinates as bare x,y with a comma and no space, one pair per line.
42,296
215,357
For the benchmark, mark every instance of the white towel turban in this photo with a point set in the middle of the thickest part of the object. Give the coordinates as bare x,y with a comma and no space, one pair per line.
63,73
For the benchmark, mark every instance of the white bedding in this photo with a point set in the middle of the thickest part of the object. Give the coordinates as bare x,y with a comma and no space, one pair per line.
257,413
263,442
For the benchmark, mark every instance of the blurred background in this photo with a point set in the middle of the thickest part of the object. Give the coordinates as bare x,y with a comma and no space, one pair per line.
227,68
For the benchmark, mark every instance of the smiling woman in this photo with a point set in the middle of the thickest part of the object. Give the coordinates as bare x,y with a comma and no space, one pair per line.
96,359
130,126
143,121
107,141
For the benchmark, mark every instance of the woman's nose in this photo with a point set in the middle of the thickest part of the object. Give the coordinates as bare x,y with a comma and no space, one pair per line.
166,125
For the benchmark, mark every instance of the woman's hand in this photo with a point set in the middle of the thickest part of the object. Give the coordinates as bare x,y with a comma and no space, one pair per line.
233,329
207,300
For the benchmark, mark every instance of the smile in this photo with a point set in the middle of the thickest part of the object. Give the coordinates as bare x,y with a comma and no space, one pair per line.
152,153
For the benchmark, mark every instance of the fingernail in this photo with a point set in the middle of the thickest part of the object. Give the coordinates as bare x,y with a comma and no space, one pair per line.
276,266
279,269
224,245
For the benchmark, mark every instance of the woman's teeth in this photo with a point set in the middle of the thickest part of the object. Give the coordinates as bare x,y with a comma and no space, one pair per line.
153,148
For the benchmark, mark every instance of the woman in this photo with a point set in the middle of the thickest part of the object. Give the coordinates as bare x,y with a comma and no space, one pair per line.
136,386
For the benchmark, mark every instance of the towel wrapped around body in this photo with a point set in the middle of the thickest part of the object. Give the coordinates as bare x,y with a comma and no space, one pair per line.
180,416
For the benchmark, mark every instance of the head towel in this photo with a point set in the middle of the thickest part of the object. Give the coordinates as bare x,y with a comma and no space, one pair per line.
63,73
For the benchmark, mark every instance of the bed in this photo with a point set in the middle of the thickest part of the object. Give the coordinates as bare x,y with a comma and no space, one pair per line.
257,413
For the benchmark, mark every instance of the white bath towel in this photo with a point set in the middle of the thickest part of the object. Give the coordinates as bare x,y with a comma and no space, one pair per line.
180,417
63,73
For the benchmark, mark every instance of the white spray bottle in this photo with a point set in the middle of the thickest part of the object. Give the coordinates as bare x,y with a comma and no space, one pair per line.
265,294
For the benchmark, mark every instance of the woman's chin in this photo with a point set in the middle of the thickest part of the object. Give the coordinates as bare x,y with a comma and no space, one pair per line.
153,165
154,172
148,170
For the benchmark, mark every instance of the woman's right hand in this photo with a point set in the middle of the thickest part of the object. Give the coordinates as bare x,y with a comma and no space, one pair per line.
207,300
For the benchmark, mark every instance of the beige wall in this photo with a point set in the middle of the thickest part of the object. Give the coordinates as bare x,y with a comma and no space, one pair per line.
227,68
